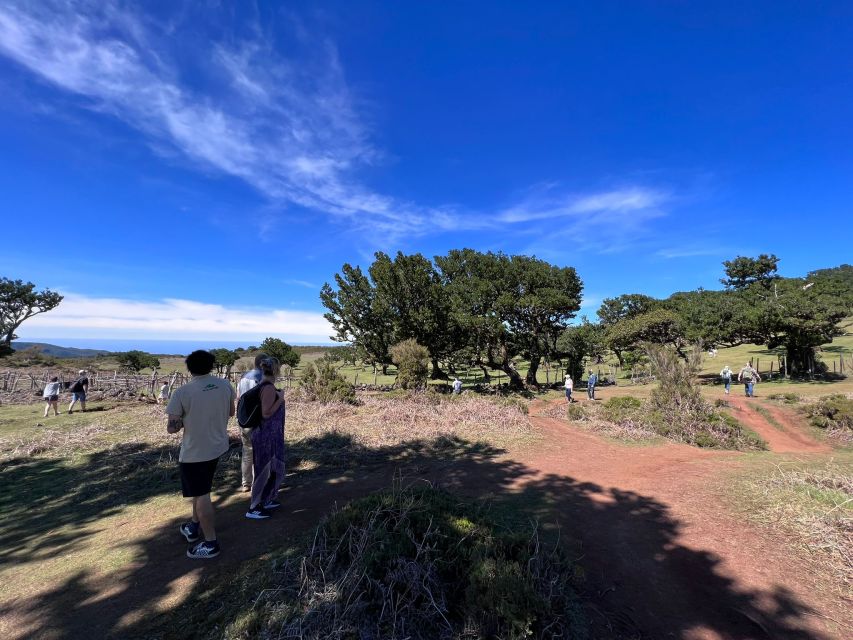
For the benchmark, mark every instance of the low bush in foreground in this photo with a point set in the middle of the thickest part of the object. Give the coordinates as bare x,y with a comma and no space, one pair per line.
419,563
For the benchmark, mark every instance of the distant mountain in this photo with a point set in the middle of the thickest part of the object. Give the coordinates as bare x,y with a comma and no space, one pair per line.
59,352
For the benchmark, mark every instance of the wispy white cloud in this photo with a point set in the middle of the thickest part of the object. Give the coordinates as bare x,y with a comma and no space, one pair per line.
693,252
302,283
89,317
289,127
548,203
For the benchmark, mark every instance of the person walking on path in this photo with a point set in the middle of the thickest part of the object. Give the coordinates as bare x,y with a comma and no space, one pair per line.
249,380
201,408
268,445
457,386
78,391
590,385
164,394
51,396
749,377
726,375
569,387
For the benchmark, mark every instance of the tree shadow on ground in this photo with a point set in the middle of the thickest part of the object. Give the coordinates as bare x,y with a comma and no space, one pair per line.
642,583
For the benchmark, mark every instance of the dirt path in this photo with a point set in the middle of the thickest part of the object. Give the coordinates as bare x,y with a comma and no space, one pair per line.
688,568
663,556
788,435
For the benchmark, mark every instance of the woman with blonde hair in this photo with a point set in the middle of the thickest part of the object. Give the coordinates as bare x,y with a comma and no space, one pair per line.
267,445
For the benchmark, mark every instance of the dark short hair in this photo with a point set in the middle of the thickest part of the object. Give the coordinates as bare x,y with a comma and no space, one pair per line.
54,379
200,362
260,358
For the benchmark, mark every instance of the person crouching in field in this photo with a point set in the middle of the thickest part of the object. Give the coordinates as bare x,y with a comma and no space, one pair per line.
569,387
749,377
51,396
268,445
201,408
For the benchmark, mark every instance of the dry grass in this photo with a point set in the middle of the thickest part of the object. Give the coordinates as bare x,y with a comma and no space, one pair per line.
590,416
381,420
814,504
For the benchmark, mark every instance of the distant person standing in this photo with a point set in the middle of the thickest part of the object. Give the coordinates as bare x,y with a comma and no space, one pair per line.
250,379
78,391
590,385
457,386
726,375
201,408
51,396
569,384
749,377
268,445
164,393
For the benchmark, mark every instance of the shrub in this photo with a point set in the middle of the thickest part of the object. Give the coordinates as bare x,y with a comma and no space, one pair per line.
421,564
321,381
575,412
787,398
678,411
833,413
412,360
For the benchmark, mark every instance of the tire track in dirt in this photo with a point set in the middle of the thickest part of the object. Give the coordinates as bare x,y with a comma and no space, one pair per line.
791,438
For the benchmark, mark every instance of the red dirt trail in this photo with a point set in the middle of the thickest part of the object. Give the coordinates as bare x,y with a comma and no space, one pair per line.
663,556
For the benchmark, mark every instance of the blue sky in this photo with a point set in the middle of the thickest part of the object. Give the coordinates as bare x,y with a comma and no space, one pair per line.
182,170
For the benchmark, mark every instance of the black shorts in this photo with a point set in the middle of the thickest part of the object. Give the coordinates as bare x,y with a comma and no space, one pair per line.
197,477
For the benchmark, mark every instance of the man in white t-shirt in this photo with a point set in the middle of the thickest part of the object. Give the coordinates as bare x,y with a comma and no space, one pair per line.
201,408
457,386
250,379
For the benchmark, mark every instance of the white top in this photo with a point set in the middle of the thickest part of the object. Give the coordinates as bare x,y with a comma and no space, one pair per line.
52,389
569,383
457,385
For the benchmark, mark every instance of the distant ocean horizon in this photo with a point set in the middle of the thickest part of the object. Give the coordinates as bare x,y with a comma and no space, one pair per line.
159,347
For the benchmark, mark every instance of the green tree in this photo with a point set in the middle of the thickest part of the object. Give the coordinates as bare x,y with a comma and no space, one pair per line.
225,359
19,301
136,360
744,271
358,316
409,288
412,360
279,349
506,306
623,307
580,343
659,326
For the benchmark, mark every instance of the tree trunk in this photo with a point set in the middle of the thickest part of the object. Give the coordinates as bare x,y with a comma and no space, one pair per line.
619,357
437,373
486,377
531,372
799,359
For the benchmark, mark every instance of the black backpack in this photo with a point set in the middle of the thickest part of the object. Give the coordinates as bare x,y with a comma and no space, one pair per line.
249,413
